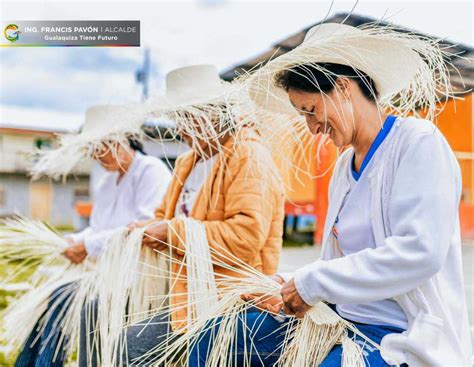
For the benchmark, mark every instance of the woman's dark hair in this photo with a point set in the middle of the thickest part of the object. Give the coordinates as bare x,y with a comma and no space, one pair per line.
136,145
317,78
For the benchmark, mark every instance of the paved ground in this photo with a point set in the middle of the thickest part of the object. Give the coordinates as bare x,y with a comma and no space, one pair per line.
295,257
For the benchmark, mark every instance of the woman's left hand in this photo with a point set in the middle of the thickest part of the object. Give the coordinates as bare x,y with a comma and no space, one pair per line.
76,253
156,236
263,302
293,304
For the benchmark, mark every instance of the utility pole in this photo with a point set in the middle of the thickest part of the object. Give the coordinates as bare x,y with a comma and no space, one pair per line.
142,75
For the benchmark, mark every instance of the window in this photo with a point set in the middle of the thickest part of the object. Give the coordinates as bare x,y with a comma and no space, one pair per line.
2,196
42,143
81,194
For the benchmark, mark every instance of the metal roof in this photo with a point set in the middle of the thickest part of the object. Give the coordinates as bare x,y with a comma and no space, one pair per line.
38,119
464,73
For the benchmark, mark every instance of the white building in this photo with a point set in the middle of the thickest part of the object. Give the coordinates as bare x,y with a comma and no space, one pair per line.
22,132
25,130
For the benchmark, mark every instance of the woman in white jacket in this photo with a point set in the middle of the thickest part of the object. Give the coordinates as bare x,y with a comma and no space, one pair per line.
391,255
130,190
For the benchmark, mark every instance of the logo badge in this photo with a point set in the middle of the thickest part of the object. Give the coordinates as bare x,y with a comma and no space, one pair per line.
11,32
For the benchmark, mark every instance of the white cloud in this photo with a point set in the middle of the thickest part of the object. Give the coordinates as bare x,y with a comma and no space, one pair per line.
67,90
181,33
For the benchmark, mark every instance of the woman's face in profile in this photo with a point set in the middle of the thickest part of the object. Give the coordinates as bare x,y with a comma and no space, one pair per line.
197,143
325,113
106,158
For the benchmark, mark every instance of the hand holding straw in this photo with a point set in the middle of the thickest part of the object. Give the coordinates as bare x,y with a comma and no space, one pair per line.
129,282
263,302
26,243
76,253
156,235
307,342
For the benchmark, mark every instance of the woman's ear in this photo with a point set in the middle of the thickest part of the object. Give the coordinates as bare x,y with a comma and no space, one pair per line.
344,87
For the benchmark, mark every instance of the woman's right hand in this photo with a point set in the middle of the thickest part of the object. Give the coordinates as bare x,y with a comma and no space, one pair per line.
156,236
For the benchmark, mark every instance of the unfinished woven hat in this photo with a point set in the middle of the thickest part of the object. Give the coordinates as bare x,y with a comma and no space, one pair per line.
191,86
404,66
103,124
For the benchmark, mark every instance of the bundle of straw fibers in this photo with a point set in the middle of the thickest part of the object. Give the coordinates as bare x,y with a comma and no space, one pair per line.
26,244
126,278
307,341
202,294
128,285
31,247
20,317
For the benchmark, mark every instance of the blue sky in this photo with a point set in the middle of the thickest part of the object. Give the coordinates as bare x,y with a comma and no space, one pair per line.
69,79
180,33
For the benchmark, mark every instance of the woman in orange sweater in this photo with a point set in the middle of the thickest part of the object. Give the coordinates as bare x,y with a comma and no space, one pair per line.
227,181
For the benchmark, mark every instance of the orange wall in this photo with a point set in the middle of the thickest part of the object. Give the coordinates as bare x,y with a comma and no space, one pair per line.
307,182
456,123
301,183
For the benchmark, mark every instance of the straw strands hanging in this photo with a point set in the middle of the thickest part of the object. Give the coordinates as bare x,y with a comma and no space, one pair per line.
307,341
33,246
211,121
202,289
128,284
21,316
25,244
202,292
125,284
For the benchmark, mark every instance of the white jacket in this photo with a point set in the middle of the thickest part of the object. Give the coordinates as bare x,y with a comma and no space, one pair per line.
415,186
136,197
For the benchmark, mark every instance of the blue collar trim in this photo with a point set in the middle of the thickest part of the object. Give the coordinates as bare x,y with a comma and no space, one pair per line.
387,126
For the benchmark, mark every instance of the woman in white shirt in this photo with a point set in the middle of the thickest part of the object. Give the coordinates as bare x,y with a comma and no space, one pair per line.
391,255
130,190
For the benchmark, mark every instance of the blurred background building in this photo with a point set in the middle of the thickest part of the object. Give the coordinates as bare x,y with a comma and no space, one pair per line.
24,131
307,201
66,203
35,106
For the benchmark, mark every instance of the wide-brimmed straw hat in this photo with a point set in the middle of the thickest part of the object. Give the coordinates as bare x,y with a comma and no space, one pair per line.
103,119
393,60
103,123
191,86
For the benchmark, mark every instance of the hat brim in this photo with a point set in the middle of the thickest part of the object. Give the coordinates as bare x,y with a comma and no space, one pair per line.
161,105
389,64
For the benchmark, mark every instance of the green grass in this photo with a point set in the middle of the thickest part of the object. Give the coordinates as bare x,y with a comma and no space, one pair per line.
65,228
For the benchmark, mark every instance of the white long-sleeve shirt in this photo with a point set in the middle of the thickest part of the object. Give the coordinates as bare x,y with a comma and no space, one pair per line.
135,197
415,190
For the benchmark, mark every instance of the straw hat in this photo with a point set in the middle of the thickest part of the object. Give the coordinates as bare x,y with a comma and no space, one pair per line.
102,118
191,86
393,60
218,108
102,123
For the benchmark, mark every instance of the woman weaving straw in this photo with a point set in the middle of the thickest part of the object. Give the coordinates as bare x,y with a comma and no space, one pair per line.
131,189
227,183
391,255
